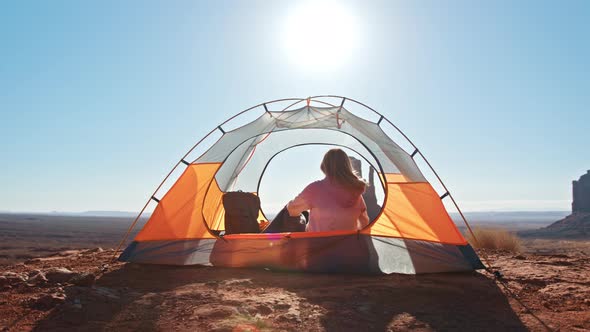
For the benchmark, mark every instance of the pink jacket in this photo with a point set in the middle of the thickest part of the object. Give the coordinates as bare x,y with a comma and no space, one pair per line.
332,207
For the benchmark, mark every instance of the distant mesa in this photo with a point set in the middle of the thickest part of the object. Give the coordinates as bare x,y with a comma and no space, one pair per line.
577,224
581,192
373,209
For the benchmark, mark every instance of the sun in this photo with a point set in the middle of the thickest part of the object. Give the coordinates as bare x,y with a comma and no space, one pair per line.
320,35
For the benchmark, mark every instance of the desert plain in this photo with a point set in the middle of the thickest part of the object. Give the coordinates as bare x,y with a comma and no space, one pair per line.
58,275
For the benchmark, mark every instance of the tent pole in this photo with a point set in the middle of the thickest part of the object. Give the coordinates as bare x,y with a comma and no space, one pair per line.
266,110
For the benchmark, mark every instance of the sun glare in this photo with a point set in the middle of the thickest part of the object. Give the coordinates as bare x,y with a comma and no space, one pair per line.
320,35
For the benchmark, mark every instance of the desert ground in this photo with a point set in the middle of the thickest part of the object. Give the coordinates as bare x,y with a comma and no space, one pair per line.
56,278
26,236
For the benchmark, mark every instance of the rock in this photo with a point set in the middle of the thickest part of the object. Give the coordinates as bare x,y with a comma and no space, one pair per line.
48,301
14,278
33,260
264,309
77,304
282,306
214,312
220,329
581,193
59,275
373,209
4,281
364,308
105,294
577,224
289,318
574,226
36,279
33,272
84,279
67,253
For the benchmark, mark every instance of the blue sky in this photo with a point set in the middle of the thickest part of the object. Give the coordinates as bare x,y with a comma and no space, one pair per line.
99,99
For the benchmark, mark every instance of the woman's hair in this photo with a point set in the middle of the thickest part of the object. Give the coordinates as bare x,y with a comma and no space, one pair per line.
336,166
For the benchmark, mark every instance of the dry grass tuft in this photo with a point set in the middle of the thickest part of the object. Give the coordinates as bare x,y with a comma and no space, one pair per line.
490,238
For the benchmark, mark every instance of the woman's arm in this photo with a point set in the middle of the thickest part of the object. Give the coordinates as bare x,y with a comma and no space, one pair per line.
364,217
299,203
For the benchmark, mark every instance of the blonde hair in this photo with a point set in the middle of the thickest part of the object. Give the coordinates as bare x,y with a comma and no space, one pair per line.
337,167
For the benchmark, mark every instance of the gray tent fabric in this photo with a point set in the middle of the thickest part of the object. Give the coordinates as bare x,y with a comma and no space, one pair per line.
350,254
235,144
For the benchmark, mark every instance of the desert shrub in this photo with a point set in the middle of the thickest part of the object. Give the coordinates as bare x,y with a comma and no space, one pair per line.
489,238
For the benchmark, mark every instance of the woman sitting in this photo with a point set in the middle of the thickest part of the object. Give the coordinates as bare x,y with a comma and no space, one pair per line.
336,202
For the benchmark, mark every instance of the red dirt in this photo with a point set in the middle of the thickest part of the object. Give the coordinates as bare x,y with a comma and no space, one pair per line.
148,297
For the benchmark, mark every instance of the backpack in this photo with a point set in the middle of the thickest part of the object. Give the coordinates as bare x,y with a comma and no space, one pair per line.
241,212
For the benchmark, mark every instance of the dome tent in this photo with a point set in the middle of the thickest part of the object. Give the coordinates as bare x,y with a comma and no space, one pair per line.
412,234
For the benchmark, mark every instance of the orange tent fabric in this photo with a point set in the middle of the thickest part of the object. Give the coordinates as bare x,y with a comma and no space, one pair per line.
179,215
411,211
414,211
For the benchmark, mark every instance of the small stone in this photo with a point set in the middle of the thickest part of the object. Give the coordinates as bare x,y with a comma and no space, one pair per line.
215,312
364,308
264,309
283,306
33,272
104,294
289,318
48,301
77,304
14,278
84,279
33,260
37,279
59,275
10,274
